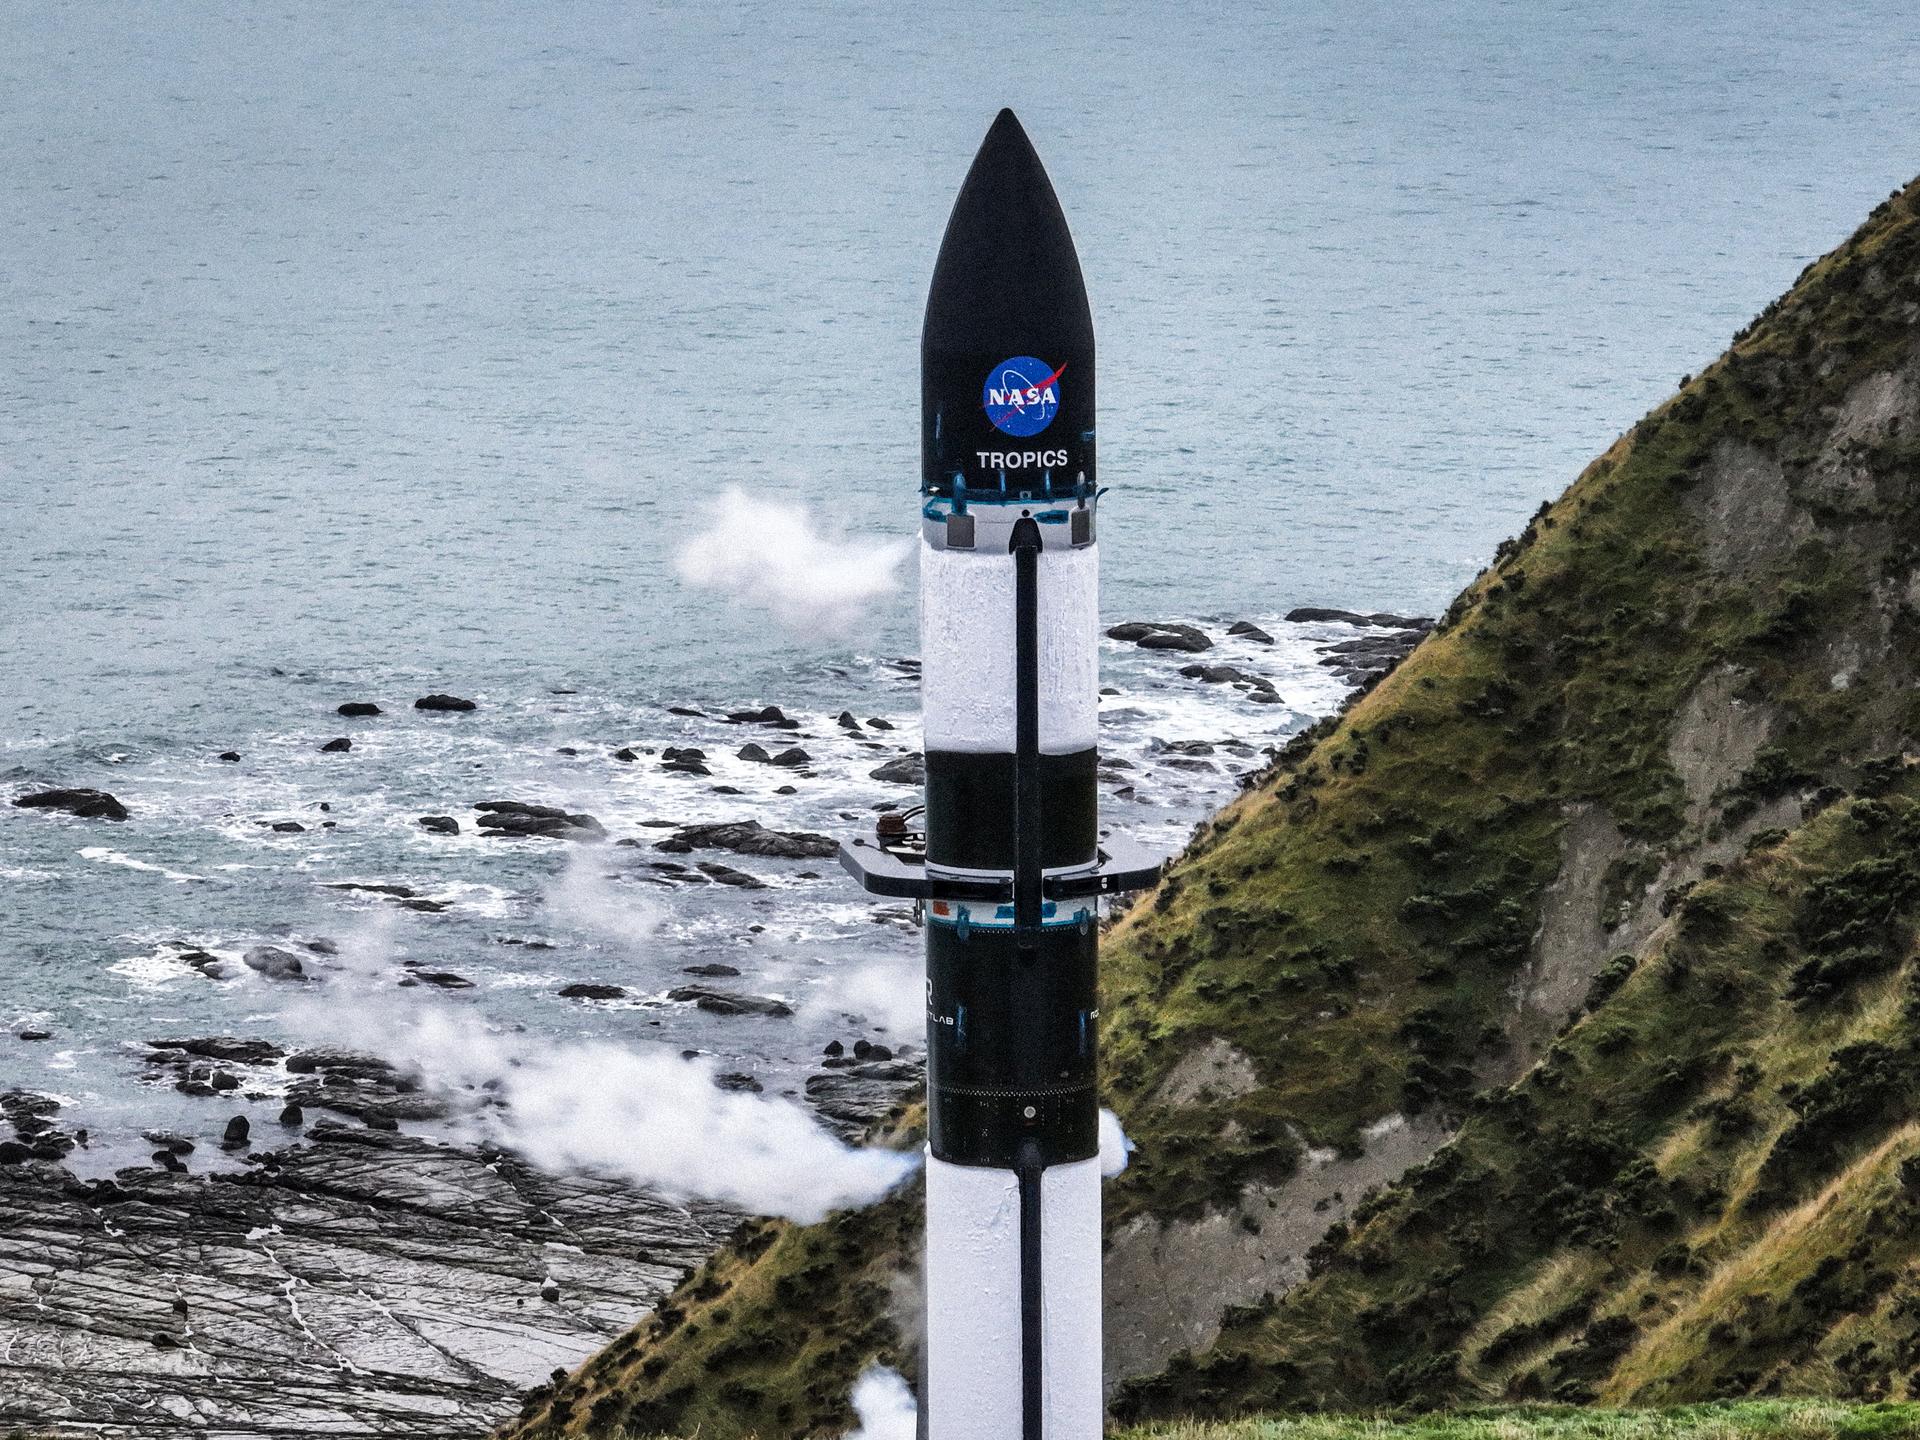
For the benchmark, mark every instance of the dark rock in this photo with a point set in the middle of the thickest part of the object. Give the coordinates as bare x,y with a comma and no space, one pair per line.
754,752
768,715
549,1292
440,824
380,1122
906,770
229,1049
516,819
688,711
289,827
443,703
274,963
86,804
835,1048
12,1152
36,1034
235,1136
875,723
358,709
722,1002
292,1116
626,754
791,757
862,1049
584,990
224,1080
727,875
786,790
169,1141
336,747
1246,630
683,752
396,892
1159,635
1305,613
445,979
750,837
712,971
739,1081
846,721
230,756
686,767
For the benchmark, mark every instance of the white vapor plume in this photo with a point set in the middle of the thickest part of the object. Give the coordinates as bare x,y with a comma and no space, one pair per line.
885,1405
889,994
641,1114
1115,1148
771,554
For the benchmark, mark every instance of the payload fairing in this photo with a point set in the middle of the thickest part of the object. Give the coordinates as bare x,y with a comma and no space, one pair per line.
1012,863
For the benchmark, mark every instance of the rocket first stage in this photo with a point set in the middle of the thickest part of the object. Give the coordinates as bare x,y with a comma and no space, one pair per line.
1011,864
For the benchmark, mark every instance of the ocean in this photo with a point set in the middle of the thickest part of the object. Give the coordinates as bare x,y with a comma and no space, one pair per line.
355,352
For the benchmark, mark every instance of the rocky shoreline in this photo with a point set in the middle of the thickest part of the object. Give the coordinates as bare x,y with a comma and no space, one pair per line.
356,1282
354,1269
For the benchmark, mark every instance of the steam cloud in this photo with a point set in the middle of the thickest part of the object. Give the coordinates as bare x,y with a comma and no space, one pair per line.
885,1405
645,1115
772,555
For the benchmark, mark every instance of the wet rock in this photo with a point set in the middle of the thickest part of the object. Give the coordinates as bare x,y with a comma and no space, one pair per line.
439,824
444,703
35,1035
855,1097
723,1002
288,827
786,790
292,1116
712,971
727,875
875,723
516,819
584,990
754,752
1306,613
445,979
685,767
337,746
835,1048
626,754
230,756
688,711
1246,630
750,837
236,1135
274,963
85,804
739,1081
1162,635
367,887
846,721
224,1080
791,757
728,790
170,1141
358,709
12,1152
228,1049
766,715
906,770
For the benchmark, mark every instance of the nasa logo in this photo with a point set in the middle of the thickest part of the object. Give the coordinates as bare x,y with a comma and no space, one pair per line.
1022,395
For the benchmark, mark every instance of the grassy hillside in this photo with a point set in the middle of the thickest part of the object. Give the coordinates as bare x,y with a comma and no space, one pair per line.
1647,775
1746,1420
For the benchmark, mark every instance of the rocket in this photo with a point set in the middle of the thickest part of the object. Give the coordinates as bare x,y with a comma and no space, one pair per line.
1009,864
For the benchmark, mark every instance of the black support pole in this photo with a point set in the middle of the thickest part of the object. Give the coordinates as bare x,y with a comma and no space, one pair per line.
1025,545
1032,1309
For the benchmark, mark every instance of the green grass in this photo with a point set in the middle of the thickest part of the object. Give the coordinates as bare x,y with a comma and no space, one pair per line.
1742,1420
1624,1225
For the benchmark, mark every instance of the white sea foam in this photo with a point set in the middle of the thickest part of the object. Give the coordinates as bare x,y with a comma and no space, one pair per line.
100,854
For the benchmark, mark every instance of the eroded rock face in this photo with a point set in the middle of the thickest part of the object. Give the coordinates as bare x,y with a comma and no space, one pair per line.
377,1286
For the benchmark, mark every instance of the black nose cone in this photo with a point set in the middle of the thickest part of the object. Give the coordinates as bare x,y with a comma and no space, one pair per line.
1007,381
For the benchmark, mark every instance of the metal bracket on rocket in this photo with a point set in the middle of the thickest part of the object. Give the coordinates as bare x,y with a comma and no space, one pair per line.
1121,866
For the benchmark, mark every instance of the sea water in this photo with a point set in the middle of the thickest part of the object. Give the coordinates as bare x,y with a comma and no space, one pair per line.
356,352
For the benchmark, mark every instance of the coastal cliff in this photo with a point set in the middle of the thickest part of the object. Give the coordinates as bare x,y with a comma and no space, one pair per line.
1545,1025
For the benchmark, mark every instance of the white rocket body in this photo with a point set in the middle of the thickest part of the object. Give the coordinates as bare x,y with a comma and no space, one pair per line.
971,1386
